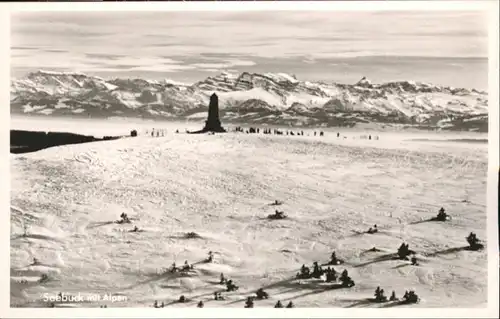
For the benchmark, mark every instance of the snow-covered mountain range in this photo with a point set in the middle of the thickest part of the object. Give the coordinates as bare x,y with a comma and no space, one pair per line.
277,98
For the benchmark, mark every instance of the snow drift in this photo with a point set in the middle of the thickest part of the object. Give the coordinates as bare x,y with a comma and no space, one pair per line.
65,201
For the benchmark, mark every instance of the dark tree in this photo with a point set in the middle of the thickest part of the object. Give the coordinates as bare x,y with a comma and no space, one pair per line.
474,242
261,294
403,251
411,297
393,296
249,302
379,295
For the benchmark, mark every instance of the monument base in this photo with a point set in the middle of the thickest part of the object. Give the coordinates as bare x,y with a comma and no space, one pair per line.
213,127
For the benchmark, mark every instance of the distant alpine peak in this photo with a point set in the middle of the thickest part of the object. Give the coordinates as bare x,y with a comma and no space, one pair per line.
42,76
276,97
364,82
227,74
174,82
58,73
280,77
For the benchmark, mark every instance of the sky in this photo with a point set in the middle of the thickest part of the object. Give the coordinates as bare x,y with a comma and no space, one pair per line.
441,47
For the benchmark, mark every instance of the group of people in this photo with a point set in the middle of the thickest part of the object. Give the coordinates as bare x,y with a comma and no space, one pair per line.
253,130
369,137
157,132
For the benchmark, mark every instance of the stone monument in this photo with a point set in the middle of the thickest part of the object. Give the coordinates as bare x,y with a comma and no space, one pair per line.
213,123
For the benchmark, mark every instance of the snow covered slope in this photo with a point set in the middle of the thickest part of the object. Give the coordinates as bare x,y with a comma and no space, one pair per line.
254,98
220,187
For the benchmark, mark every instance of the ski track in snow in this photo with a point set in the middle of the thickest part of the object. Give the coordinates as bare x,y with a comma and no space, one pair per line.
220,187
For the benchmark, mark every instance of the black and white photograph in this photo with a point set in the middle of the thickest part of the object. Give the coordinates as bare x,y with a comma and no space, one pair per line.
252,159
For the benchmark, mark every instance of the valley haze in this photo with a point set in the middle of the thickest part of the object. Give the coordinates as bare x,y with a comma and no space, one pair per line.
393,107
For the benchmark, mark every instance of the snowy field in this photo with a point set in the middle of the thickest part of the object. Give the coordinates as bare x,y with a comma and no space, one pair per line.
221,187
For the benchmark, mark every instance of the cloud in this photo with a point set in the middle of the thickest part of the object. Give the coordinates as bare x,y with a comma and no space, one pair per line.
339,64
97,62
210,70
259,34
136,60
223,65
210,65
104,56
309,60
167,68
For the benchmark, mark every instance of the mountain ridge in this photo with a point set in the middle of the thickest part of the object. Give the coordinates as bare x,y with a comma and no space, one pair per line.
253,98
